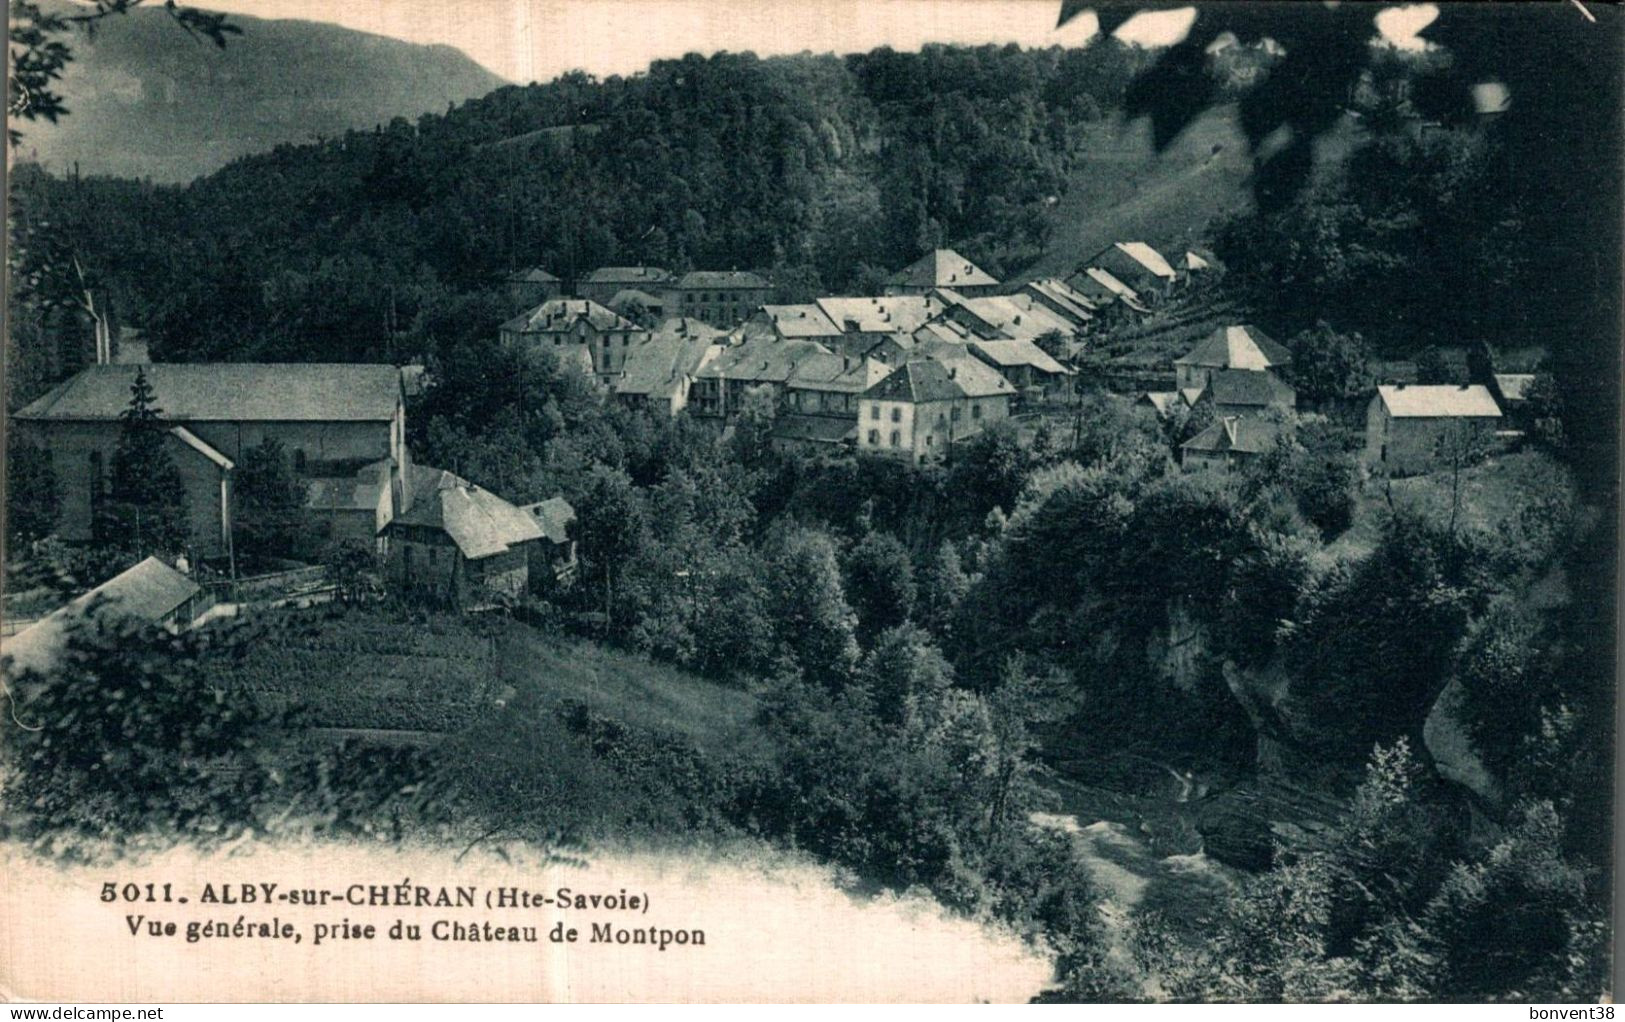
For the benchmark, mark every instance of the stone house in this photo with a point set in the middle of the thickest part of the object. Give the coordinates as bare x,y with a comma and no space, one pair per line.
720,385
576,328
659,371
819,406
1406,424
1227,445
925,406
331,420
602,284
722,298
459,544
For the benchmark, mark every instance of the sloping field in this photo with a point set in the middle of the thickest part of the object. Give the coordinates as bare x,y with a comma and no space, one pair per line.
1123,190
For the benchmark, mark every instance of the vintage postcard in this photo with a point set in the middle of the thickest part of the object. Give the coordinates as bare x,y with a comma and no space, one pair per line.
824,501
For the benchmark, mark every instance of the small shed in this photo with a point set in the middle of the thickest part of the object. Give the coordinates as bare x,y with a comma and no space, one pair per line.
150,591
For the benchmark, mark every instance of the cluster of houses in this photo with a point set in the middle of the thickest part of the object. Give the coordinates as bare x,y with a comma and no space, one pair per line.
342,429
944,352
1236,371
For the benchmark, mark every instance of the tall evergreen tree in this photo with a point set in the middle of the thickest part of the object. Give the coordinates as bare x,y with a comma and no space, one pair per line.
143,510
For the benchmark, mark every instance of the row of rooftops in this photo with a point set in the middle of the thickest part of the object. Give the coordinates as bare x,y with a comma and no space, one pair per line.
941,267
653,276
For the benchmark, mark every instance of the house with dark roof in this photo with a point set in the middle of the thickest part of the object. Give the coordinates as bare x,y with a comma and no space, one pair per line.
1228,444
926,405
942,267
576,328
1229,347
331,420
659,371
1408,425
819,407
722,298
459,544
1248,392
601,284
532,287
720,384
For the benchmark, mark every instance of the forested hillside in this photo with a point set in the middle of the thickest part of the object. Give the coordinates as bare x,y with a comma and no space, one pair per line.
825,171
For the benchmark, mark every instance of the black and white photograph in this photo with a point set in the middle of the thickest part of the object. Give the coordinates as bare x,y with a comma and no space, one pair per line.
830,501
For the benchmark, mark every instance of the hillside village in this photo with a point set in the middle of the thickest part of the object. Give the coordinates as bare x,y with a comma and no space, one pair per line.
944,354
949,466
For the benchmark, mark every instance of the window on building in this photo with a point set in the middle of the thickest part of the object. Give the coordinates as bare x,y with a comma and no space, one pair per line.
896,438
874,438
976,411
874,411
897,415
955,413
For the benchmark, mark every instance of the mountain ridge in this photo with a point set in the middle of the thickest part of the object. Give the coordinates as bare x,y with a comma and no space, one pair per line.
147,102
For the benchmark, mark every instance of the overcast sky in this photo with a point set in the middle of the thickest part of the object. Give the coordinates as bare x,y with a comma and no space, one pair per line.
536,40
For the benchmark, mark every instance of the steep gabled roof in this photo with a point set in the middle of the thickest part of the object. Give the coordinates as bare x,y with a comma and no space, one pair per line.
229,392
805,320
1147,257
1234,434
1109,285
1063,298
560,315
1236,347
942,267
477,520
1253,387
1439,401
1017,317
923,380
534,275
674,351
